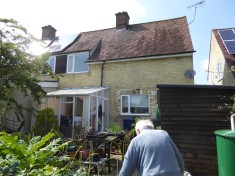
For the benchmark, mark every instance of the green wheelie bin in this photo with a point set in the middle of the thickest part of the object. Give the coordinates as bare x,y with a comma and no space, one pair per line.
225,141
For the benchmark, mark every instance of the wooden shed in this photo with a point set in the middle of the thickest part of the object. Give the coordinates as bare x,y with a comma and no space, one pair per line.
191,114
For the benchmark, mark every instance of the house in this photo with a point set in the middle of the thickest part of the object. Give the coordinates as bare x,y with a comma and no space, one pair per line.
110,74
222,57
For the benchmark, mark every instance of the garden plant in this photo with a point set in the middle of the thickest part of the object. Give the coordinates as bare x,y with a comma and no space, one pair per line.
35,156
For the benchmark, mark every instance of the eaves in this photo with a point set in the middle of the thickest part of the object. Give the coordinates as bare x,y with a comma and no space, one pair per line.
176,55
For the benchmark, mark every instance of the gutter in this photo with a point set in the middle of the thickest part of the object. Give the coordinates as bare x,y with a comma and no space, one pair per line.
102,74
144,57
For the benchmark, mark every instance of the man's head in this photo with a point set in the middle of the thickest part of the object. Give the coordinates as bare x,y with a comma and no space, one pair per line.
143,124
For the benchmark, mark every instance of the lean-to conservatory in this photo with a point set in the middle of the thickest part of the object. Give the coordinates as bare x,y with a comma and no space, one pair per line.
86,107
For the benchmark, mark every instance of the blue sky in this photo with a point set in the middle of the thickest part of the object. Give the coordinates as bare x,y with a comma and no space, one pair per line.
74,16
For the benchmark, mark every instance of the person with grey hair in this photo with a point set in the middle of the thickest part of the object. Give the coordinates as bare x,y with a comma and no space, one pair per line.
152,152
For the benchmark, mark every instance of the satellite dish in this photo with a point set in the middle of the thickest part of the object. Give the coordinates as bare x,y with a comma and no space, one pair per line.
189,73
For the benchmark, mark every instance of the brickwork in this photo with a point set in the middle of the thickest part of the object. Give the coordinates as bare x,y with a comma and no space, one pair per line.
122,20
90,78
48,33
129,76
143,75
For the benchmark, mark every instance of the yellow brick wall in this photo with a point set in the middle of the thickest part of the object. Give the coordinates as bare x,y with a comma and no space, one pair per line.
143,75
148,73
131,75
90,78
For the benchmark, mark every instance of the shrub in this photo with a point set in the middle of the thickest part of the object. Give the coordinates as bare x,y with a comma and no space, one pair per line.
45,122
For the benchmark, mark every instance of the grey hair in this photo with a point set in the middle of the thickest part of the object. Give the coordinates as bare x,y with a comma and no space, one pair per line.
141,124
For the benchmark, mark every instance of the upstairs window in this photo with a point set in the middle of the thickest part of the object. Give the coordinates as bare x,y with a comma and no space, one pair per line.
51,61
76,62
135,105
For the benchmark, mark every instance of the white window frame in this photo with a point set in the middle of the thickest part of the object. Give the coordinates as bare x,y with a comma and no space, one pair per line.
54,62
129,105
73,61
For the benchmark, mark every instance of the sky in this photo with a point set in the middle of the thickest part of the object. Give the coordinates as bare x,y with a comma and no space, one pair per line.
75,16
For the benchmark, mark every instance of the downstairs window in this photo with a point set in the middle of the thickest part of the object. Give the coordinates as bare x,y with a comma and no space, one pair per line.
135,105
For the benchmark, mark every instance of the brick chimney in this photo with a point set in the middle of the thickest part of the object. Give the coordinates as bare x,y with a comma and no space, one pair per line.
122,20
48,33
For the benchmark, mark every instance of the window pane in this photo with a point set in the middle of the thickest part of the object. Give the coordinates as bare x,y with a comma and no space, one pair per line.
79,106
139,104
68,109
68,99
80,65
124,104
51,62
70,64
139,100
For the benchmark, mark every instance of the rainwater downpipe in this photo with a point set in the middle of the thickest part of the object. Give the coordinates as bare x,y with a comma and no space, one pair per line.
232,122
102,74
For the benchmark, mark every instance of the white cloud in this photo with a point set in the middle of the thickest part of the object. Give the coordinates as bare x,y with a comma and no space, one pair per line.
204,64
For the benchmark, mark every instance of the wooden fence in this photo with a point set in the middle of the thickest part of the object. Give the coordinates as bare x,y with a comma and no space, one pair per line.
190,114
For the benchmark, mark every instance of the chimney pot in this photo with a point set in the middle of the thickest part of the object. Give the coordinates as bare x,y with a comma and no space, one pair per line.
122,20
48,33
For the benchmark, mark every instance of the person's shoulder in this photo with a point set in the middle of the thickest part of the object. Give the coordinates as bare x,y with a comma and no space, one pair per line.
161,132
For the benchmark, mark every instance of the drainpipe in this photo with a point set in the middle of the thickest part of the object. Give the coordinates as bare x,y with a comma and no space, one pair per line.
102,74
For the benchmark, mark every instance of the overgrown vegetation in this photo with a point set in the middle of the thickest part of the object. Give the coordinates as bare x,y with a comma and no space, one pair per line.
115,128
228,105
36,156
231,106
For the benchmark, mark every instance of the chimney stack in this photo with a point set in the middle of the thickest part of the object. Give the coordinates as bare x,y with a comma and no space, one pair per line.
48,33
122,20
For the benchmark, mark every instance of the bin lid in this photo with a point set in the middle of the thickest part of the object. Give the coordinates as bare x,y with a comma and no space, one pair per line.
226,133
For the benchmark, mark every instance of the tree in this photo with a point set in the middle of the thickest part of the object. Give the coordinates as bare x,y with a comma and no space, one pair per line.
19,69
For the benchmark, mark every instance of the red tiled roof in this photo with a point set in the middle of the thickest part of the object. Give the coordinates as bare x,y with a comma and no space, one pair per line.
229,58
147,39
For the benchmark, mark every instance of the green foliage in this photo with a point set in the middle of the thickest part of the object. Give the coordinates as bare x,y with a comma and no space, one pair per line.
45,122
115,128
133,127
228,106
38,156
19,69
231,106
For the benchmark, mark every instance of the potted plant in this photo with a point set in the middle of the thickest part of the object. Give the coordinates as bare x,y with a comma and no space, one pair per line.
115,130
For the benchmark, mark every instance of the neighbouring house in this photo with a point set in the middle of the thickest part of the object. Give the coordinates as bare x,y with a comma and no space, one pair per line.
222,57
110,74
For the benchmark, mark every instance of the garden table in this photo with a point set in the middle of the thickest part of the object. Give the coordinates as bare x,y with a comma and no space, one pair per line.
107,141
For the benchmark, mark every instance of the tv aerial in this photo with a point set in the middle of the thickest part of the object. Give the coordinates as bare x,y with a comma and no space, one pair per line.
189,73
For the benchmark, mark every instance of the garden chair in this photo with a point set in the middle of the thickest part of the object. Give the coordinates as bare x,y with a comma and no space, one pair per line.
91,160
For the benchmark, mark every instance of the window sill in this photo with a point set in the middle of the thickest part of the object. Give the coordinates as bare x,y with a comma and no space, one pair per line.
76,72
136,115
